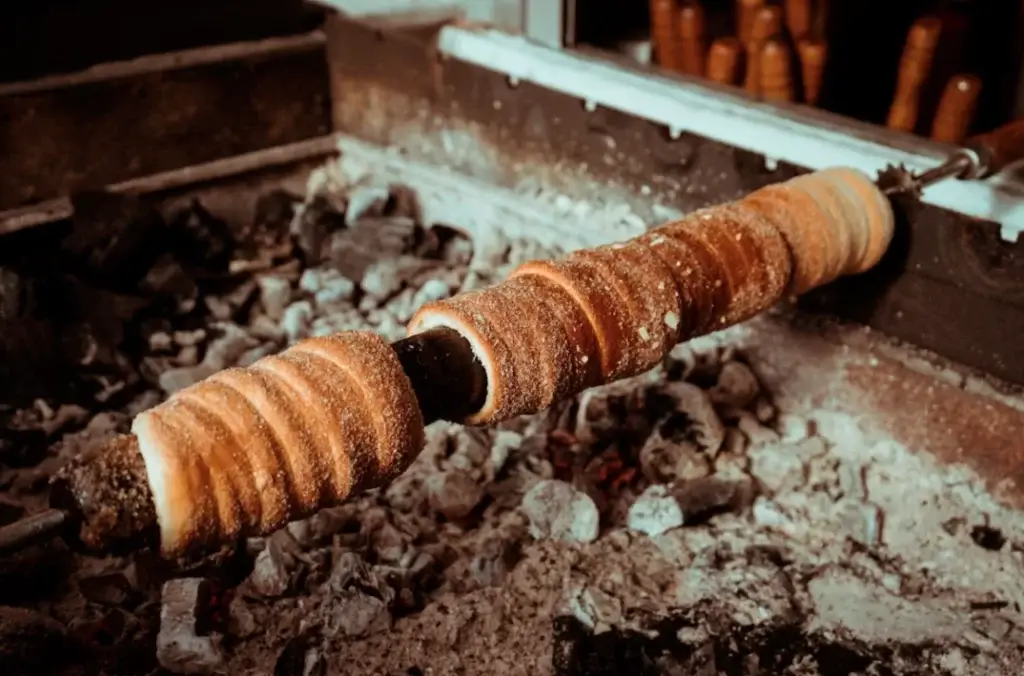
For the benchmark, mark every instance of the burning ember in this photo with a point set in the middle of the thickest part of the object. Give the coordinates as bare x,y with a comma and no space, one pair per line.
676,523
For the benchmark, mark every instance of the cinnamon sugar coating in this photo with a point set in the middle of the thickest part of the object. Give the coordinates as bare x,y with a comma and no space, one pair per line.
533,339
247,450
836,222
602,297
633,301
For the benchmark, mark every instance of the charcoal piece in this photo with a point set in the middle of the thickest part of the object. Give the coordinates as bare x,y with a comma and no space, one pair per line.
269,236
167,279
454,494
114,240
366,202
13,292
448,244
31,643
34,361
182,647
22,448
10,511
312,227
111,589
294,658
700,499
272,575
274,210
200,240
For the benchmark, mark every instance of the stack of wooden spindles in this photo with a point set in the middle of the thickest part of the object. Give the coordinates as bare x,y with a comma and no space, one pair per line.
959,98
776,50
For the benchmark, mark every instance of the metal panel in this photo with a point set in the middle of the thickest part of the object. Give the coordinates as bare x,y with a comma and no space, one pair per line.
507,15
135,118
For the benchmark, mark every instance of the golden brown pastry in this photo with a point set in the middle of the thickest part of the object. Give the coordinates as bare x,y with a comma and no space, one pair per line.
629,298
599,315
248,450
534,340
835,221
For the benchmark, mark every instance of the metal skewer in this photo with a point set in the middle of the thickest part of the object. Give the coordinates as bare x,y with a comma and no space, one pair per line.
30,530
980,157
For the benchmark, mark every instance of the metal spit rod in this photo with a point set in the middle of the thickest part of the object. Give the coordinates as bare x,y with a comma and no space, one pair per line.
980,157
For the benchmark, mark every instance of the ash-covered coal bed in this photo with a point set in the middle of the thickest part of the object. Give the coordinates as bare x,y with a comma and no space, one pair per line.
678,523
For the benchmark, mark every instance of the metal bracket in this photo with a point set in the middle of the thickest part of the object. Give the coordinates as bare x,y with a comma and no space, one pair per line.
544,22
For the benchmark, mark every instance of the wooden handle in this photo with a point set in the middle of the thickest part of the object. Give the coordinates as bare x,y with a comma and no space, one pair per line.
691,39
956,108
767,23
746,10
812,67
724,61
798,18
776,80
1000,147
914,66
664,35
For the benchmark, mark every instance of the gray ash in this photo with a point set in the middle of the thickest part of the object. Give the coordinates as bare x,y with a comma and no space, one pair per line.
678,523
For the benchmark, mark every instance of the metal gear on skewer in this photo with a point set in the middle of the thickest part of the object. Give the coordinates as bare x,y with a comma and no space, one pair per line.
898,180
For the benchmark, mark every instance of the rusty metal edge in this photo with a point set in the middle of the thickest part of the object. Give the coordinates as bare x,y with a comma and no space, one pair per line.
170,61
279,88
13,220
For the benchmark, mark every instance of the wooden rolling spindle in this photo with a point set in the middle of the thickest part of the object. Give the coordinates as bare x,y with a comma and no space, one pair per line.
799,17
776,78
956,109
691,39
664,33
998,148
812,67
746,10
767,24
724,61
915,64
